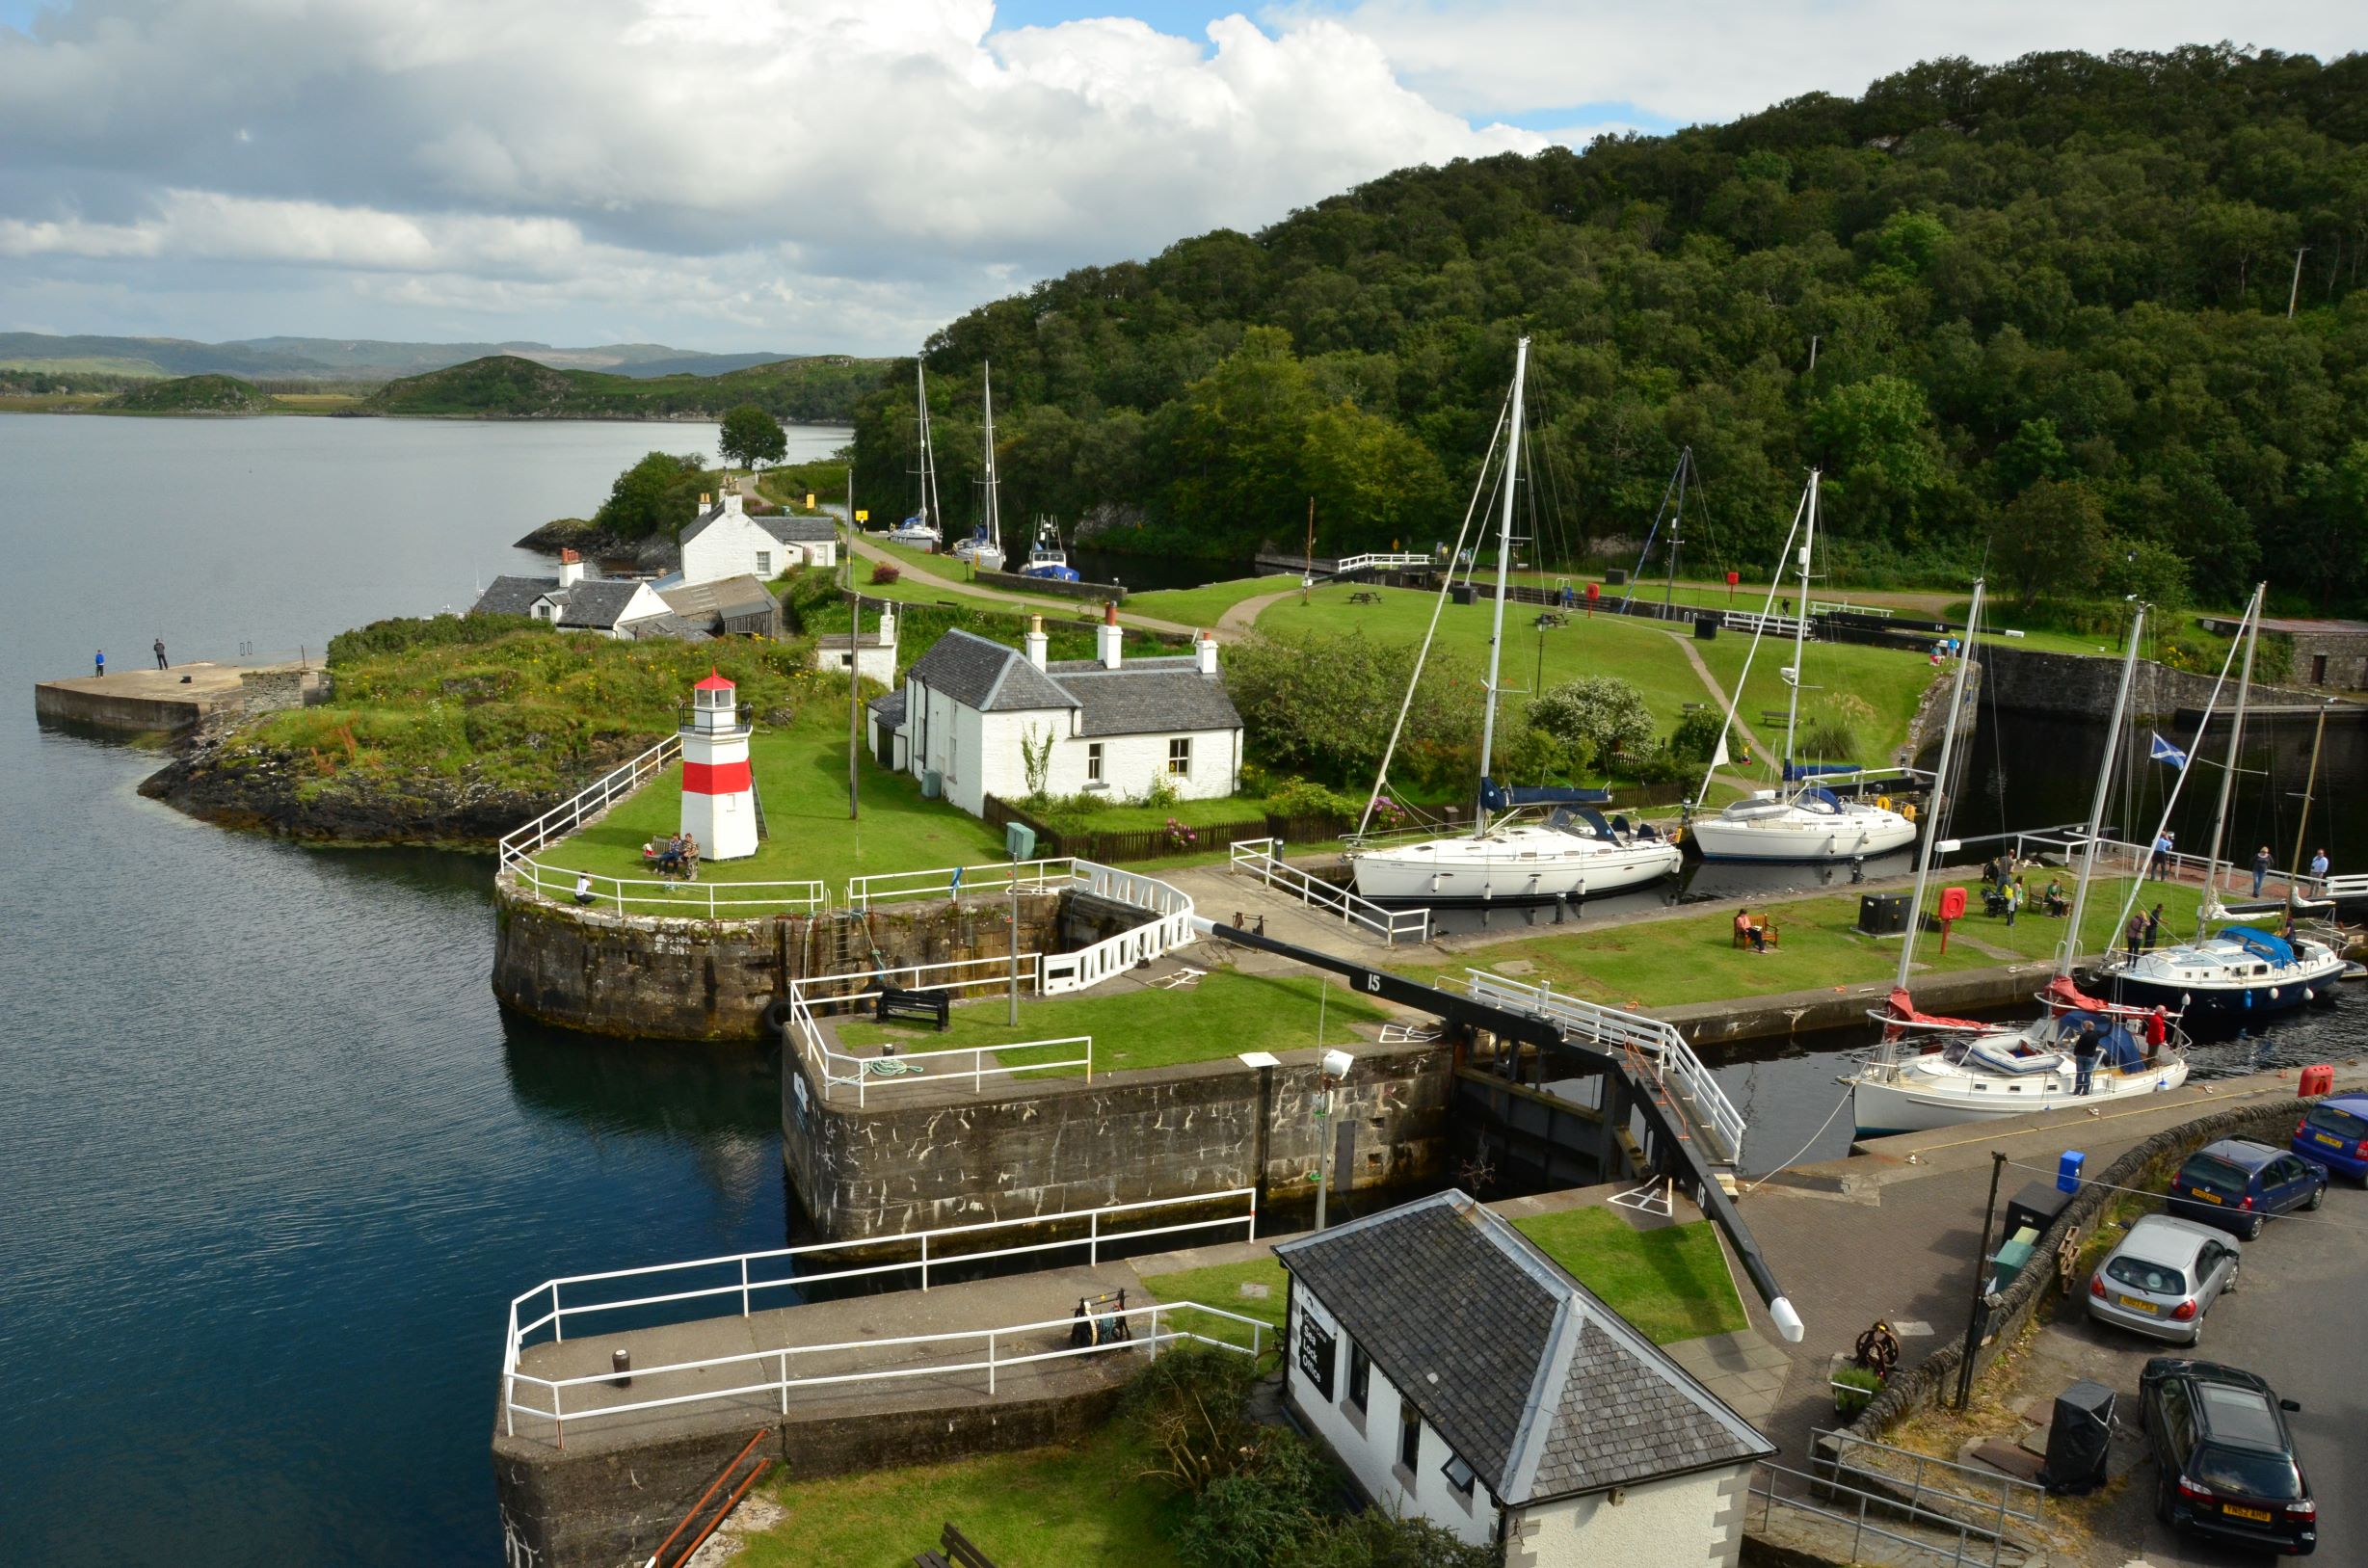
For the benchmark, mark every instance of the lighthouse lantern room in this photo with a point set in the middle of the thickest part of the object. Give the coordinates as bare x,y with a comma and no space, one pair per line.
719,801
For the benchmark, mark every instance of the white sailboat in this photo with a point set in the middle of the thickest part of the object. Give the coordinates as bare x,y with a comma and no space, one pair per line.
1805,821
920,530
1564,856
1931,1071
984,549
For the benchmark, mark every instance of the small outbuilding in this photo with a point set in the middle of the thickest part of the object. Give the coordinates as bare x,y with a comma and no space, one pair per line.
1461,1374
872,653
727,607
613,606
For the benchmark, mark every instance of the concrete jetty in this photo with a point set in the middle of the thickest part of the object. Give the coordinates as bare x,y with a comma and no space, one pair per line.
172,701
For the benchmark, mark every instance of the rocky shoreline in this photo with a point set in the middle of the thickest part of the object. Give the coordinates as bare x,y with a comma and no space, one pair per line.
597,544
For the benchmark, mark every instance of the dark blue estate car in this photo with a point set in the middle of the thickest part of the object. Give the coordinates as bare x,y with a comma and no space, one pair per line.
2335,1134
2240,1186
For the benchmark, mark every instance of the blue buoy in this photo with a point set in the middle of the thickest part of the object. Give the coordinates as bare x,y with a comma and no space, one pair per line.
2067,1170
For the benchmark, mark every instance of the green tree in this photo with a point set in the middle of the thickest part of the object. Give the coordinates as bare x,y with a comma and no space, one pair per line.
658,494
1371,480
1238,438
1597,717
2051,540
749,437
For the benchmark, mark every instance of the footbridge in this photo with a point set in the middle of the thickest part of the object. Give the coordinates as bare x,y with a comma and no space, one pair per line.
1277,563
1689,1133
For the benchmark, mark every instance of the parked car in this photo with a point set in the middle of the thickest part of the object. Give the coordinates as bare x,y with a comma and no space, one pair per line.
2240,1186
2162,1278
2335,1132
2224,1462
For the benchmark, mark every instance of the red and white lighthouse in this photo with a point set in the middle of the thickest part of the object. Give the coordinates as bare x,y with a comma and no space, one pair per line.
719,799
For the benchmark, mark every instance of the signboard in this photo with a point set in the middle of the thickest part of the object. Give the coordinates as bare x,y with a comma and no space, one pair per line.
863,515
1316,1354
810,506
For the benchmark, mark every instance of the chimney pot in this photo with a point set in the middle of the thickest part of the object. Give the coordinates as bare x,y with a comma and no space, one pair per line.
1206,650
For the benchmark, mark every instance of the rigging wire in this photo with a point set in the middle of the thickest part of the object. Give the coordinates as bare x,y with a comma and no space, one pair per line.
1759,630
1804,1148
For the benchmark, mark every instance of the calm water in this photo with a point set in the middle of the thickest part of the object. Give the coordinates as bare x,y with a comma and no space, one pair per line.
271,1162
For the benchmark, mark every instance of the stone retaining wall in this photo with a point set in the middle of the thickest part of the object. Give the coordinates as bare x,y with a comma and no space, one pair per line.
2030,682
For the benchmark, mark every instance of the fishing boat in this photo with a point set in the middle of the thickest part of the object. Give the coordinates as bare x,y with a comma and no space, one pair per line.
2242,973
1045,558
1571,852
984,549
1931,1071
920,530
1806,819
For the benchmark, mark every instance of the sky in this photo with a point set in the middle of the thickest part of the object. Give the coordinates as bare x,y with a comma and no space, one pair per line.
831,175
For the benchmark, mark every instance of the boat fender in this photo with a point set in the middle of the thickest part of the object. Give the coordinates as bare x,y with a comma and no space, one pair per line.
776,1017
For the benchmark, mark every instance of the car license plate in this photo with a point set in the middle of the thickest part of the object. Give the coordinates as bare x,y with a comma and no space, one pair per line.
2207,1197
2259,1516
2135,1305
2331,1143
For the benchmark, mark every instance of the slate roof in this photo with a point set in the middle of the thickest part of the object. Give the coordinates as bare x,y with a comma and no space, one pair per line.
596,601
723,596
799,530
890,708
673,627
1544,1390
513,595
698,526
1141,696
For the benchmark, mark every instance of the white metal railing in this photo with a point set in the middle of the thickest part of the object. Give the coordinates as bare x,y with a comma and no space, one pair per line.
948,881
1257,856
1672,1060
1843,606
2351,885
1779,626
836,1068
562,884
1170,929
588,805
751,1382
1378,559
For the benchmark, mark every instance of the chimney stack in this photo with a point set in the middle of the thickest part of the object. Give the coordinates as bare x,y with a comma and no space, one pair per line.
1206,652
1036,640
704,499
1110,636
570,568
731,503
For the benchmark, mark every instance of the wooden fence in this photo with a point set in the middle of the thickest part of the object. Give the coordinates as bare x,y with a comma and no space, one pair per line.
1154,843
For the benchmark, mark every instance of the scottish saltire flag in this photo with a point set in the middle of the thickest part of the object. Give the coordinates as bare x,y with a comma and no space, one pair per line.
2162,750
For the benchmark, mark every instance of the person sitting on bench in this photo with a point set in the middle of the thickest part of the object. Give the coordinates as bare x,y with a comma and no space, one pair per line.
1750,930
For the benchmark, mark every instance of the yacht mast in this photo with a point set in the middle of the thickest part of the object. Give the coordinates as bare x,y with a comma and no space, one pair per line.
1505,554
995,517
1800,630
2068,949
1940,782
928,463
2227,776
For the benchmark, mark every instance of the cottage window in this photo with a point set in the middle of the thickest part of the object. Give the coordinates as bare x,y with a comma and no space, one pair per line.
1360,1375
1093,761
764,563
1458,1473
1409,1436
1180,756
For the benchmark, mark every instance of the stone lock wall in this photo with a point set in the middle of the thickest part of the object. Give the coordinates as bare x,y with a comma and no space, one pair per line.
2030,682
920,1159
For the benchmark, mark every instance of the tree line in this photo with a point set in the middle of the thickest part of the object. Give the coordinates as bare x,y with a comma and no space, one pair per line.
2032,316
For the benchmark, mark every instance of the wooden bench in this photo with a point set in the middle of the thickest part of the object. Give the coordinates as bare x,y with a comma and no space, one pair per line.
953,1551
912,1006
1768,931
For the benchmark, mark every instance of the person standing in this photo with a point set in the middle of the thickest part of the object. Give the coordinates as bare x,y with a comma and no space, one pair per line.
2014,901
2162,856
2261,868
2154,926
2158,1030
160,652
2084,1055
2134,935
2319,865
100,661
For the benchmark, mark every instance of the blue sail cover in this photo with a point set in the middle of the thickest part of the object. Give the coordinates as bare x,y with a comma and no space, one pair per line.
2276,949
1498,797
1816,770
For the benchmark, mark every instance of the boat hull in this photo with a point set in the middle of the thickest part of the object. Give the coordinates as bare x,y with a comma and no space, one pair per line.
2220,1006
1906,1106
1849,836
1408,877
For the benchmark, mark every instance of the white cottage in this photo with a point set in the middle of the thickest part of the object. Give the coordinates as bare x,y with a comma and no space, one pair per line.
727,540
1460,1374
872,653
970,708
619,607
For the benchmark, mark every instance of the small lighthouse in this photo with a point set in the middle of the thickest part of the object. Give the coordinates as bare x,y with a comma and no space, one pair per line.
719,801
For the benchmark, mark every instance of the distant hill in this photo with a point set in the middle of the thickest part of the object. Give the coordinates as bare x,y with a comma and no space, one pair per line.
345,359
819,390
192,395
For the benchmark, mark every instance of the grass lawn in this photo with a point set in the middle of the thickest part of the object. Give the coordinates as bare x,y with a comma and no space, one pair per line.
1202,606
1225,1013
1220,1285
1081,1506
1693,958
1889,680
1672,1283
802,773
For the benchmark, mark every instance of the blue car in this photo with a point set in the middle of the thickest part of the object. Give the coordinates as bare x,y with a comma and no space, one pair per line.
2240,1186
2335,1134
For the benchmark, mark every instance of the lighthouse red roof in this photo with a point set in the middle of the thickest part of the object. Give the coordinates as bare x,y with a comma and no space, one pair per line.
715,682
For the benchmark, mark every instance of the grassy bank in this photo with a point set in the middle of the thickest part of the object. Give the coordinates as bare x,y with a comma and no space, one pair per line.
1693,958
1204,605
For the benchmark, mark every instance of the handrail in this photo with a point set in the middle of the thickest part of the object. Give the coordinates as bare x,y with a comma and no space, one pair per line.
782,1382
1090,966
950,881
558,883
1702,1100
1257,857
587,805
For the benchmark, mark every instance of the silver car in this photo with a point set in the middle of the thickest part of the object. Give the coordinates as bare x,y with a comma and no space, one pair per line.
2162,1278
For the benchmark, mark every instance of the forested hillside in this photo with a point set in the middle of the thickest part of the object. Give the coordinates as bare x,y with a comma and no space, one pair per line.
2037,311
817,390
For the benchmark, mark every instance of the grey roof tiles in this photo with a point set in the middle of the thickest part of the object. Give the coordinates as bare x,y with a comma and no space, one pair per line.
511,596
1141,696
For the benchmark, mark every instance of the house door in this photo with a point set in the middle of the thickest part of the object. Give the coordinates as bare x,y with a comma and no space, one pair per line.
2318,669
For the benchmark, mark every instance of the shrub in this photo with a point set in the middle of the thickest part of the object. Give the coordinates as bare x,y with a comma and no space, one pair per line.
1264,1511
1855,1388
1160,793
885,572
1695,740
1305,797
1596,717
405,633
1374,1539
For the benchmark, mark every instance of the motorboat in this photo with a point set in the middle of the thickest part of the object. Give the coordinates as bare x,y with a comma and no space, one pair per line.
1570,854
1045,558
984,549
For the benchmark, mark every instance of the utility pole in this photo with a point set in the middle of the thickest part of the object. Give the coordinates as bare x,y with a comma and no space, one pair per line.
2295,291
1981,1268
855,625
1307,561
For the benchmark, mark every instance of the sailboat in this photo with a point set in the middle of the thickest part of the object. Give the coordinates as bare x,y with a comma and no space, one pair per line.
1810,822
1045,558
1571,854
984,549
1931,1071
920,529
2244,973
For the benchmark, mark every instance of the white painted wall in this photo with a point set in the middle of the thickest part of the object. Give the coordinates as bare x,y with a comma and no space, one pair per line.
730,547
1671,1524
643,604
1368,1445
724,825
873,661
980,755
